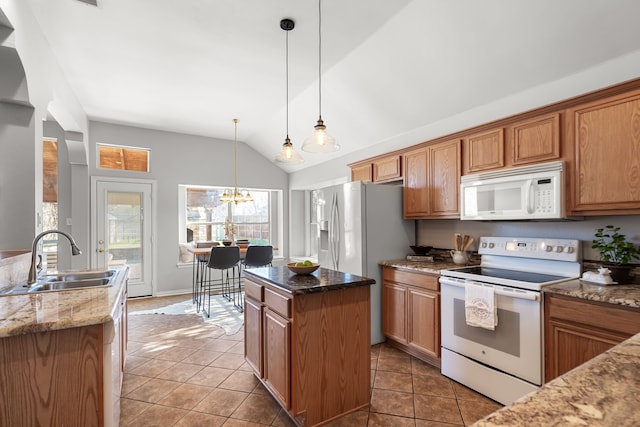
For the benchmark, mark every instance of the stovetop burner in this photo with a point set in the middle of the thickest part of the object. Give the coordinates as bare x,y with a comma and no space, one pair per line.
521,276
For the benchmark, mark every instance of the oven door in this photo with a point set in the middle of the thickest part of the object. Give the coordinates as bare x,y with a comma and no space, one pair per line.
514,347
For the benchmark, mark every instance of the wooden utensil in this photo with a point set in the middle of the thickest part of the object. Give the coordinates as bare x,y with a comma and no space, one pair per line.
468,244
458,242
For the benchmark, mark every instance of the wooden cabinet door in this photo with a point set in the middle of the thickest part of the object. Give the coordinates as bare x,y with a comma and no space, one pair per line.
415,190
253,335
387,169
394,311
424,321
484,151
444,182
573,345
361,173
536,140
606,175
277,353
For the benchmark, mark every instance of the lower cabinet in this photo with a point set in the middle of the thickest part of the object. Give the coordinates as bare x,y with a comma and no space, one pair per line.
312,352
411,312
65,377
577,330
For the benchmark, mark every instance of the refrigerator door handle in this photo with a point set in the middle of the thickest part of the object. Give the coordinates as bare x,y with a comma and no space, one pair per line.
334,233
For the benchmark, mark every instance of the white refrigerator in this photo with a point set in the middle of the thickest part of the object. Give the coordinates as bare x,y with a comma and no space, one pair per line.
359,224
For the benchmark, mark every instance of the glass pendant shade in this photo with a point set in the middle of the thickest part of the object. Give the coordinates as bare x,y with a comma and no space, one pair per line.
288,154
320,141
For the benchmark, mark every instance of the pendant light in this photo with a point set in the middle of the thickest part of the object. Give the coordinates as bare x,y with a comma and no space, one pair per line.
234,195
288,155
320,141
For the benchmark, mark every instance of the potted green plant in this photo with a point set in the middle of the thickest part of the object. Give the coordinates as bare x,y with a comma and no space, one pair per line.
615,252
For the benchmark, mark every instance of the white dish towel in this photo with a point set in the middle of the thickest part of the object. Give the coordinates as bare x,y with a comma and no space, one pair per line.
480,306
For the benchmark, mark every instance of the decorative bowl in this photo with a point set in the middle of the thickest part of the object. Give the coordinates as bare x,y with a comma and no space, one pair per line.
227,242
302,270
421,250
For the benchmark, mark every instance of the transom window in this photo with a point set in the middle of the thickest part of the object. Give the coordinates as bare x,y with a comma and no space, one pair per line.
123,158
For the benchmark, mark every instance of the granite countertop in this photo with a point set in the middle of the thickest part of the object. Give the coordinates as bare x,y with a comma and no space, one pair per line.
423,266
321,280
53,310
626,295
602,392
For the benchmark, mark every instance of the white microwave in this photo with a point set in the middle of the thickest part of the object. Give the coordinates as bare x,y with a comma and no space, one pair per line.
521,193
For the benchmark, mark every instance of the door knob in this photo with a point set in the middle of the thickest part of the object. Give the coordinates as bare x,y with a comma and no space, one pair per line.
101,250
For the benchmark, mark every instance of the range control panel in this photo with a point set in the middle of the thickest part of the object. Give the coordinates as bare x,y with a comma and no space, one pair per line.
531,247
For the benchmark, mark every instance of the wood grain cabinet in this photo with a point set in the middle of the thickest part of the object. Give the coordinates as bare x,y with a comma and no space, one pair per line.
361,173
577,330
431,181
536,140
310,351
606,172
65,377
484,151
387,169
411,312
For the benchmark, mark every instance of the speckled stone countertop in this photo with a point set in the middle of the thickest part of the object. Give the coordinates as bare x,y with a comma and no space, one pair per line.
627,295
602,392
53,310
321,280
426,267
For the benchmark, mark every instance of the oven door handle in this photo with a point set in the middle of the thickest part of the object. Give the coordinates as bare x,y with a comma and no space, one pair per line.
515,293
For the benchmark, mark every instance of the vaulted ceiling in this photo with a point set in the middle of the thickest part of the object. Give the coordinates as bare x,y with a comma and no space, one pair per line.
388,67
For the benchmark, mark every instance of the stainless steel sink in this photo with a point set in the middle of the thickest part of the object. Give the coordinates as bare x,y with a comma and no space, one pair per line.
69,284
73,276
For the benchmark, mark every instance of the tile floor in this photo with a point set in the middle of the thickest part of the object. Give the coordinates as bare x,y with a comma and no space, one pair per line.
183,372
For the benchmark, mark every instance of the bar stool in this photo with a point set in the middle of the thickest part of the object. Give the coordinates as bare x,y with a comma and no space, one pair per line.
200,265
222,258
256,256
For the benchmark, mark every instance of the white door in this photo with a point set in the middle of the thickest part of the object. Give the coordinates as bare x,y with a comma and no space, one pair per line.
122,230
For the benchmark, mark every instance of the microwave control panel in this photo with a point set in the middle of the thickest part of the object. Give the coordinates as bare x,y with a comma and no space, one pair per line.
543,196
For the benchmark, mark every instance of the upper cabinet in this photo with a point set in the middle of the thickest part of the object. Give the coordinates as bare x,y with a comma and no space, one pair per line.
432,181
361,173
606,147
387,169
484,151
535,140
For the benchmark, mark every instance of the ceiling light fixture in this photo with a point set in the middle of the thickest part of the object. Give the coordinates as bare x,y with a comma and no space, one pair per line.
320,141
288,155
234,195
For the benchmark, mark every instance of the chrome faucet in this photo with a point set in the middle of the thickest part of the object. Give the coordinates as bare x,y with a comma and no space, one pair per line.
33,274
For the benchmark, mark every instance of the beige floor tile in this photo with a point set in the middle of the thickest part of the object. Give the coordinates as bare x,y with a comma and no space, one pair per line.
221,402
228,360
383,420
152,367
158,416
389,351
153,390
186,396
240,381
181,372
394,364
202,357
131,382
210,376
130,409
392,403
176,354
433,385
437,408
283,420
199,419
354,419
393,381
241,423
465,393
257,409
238,348
473,410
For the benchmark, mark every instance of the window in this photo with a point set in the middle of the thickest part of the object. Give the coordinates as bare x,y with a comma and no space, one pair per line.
205,217
123,158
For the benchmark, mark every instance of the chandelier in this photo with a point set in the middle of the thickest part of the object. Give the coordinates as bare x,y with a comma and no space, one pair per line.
234,195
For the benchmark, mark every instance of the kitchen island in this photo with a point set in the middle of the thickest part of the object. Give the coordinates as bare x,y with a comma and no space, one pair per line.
307,339
62,355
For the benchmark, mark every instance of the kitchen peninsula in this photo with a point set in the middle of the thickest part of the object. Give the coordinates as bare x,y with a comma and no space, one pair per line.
62,355
307,339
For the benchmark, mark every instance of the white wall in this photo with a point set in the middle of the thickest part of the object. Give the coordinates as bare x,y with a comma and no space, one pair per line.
185,159
47,94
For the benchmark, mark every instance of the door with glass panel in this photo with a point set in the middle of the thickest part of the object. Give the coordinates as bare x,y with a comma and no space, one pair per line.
122,233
